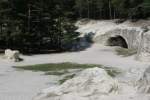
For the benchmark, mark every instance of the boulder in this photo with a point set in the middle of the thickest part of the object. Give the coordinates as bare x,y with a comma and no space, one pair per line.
87,84
96,84
13,55
143,81
143,53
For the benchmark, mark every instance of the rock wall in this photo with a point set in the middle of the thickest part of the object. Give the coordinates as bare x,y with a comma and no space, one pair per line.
144,47
131,35
90,83
96,84
136,39
131,32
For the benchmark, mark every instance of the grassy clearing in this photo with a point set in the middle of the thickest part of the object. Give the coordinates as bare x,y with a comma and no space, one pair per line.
62,69
125,52
56,66
55,72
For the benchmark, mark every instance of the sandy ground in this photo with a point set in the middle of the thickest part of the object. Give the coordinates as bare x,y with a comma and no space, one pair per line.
24,85
96,54
20,85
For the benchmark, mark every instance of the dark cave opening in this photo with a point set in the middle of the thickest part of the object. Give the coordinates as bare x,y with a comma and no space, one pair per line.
117,41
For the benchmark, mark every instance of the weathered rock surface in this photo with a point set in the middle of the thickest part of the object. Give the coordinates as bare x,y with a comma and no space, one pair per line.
143,81
144,47
132,33
96,84
13,55
88,84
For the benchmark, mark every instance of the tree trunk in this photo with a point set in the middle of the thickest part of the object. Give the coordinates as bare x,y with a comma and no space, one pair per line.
100,13
80,12
29,16
114,13
88,8
110,10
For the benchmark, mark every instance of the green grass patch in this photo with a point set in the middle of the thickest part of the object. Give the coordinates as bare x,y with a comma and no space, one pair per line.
56,66
66,78
61,68
56,72
113,72
125,52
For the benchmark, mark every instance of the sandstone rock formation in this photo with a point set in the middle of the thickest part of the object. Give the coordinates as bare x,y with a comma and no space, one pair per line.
96,84
90,83
143,81
143,53
12,55
130,35
127,34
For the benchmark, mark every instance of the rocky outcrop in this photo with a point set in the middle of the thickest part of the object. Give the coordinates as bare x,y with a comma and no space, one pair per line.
90,83
13,55
135,38
144,47
143,81
132,33
131,36
96,84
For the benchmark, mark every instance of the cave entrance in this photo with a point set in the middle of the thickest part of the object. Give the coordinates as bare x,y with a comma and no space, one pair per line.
117,41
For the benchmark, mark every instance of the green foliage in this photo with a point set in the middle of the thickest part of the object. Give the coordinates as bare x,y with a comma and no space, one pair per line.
103,9
66,78
35,25
126,52
57,66
60,68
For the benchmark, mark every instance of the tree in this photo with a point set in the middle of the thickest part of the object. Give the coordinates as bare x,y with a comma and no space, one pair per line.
34,25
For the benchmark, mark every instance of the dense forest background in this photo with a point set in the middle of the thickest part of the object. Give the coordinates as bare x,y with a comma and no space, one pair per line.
112,9
34,25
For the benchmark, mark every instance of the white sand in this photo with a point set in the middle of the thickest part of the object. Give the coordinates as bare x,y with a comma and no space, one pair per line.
20,85
26,84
